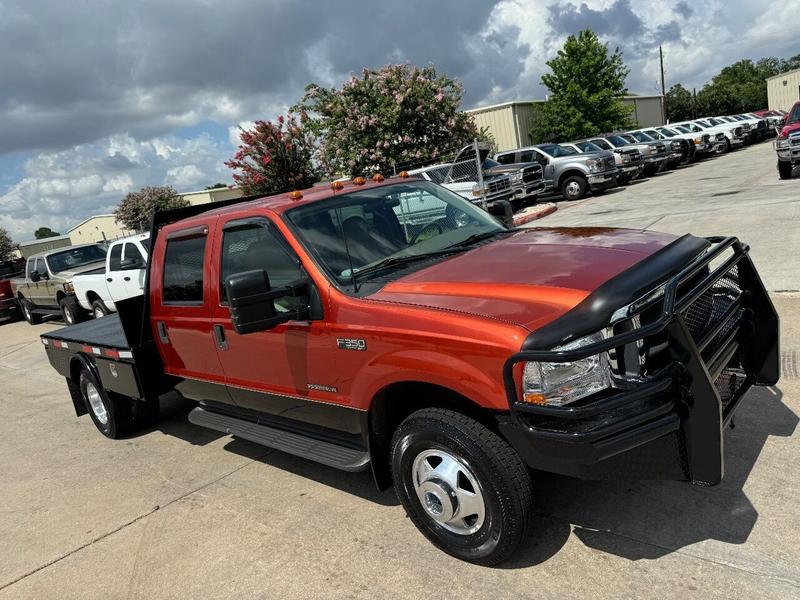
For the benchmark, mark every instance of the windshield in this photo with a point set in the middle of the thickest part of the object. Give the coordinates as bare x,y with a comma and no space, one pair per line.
641,136
667,132
356,232
682,129
75,257
555,150
794,116
588,147
617,141
703,123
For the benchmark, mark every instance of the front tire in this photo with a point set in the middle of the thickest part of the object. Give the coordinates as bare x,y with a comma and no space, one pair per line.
463,487
574,187
784,169
27,308
71,311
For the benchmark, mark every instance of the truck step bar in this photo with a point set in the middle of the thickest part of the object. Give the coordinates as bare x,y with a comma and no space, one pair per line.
333,455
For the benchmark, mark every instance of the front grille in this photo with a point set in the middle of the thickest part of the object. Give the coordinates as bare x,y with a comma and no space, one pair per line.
531,173
610,162
648,356
706,138
720,137
737,131
494,186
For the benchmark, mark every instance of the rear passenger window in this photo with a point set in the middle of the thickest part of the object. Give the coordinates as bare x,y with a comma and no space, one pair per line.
132,252
526,156
183,270
505,159
115,257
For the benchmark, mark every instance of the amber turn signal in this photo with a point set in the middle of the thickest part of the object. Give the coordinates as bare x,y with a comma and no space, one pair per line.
377,178
359,181
404,174
337,185
534,398
295,195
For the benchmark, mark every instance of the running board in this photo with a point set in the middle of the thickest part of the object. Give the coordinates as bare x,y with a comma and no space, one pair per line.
333,455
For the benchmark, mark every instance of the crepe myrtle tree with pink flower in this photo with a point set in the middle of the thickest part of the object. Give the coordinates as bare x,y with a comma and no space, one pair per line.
274,157
136,209
394,117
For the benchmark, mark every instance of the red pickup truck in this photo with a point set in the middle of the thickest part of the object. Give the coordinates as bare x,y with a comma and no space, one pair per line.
391,325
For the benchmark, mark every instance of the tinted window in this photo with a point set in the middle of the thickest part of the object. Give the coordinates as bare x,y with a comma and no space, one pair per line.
602,144
183,270
31,266
526,156
556,150
132,252
40,266
505,159
794,116
115,257
256,246
145,244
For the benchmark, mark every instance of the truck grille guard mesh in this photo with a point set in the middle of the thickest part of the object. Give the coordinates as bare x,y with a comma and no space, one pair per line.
710,305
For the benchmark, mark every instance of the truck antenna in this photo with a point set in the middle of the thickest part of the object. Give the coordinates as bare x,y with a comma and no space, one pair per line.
347,251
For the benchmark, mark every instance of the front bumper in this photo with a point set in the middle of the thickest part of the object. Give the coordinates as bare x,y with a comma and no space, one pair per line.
603,180
668,426
791,154
525,190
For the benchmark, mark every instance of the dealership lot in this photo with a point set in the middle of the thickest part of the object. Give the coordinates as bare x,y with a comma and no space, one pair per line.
179,511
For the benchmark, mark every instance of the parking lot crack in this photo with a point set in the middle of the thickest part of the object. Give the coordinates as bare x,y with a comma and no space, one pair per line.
136,519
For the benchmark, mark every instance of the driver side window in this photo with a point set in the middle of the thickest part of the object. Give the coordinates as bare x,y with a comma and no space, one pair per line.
248,246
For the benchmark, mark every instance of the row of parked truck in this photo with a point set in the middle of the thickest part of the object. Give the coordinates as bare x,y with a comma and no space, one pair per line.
575,168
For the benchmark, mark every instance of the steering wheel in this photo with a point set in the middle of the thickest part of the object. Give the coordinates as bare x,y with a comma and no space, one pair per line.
430,230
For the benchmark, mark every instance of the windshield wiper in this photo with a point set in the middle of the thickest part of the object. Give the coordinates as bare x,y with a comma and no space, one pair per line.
474,238
393,261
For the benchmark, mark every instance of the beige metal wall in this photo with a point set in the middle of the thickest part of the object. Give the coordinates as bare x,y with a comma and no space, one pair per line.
32,247
500,122
647,110
97,229
215,195
783,90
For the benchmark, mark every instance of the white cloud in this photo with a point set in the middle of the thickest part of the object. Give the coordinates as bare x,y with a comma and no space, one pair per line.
60,189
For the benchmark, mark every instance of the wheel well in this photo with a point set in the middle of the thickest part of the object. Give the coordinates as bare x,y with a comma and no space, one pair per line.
60,296
395,402
92,296
571,173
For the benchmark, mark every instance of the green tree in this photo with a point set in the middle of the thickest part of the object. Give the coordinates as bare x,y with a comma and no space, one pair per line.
679,103
216,186
6,245
274,157
397,116
586,86
45,232
137,208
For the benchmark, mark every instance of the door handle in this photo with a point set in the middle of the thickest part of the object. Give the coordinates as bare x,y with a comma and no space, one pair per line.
162,332
219,337
126,278
109,279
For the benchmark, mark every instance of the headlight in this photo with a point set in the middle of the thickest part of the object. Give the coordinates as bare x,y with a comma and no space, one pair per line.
626,158
560,383
781,144
68,288
594,164
477,191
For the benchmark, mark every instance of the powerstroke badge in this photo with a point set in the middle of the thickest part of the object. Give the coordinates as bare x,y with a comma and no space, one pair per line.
321,388
350,344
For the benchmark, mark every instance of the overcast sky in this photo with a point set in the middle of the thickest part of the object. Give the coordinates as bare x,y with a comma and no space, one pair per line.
98,98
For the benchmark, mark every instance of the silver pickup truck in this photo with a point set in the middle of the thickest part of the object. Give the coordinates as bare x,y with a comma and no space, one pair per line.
566,170
629,160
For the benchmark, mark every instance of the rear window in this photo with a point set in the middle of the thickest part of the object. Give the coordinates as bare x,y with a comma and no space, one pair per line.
505,159
183,270
115,257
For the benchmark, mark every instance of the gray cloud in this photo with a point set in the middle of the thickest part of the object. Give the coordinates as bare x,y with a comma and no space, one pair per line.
668,32
74,75
618,19
683,9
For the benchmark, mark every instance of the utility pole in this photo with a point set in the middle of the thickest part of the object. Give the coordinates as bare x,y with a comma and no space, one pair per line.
663,92
694,103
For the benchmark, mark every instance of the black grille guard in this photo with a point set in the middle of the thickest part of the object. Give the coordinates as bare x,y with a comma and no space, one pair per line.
767,373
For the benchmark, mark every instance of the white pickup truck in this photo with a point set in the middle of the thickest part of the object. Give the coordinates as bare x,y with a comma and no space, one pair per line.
123,278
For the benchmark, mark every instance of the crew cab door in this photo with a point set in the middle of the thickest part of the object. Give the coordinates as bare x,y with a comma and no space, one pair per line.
113,275
133,270
284,372
180,306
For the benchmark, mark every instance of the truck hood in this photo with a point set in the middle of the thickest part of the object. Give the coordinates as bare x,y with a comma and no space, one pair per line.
528,278
98,266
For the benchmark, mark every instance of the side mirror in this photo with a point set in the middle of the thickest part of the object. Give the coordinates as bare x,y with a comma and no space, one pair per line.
129,264
35,276
251,301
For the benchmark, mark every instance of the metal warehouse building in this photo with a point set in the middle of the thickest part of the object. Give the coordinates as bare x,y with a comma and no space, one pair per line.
509,122
783,90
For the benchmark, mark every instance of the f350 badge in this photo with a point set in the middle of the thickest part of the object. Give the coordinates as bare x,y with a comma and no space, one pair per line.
351,344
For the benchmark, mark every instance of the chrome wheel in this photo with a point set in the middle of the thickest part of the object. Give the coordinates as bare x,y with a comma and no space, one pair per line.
98,312
448,491
96,403
573,189
26,311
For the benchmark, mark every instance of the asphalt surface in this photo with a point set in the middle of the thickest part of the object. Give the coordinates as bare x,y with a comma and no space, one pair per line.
182,512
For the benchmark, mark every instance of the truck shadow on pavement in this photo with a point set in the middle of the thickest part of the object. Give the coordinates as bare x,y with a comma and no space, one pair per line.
631,519
650,519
